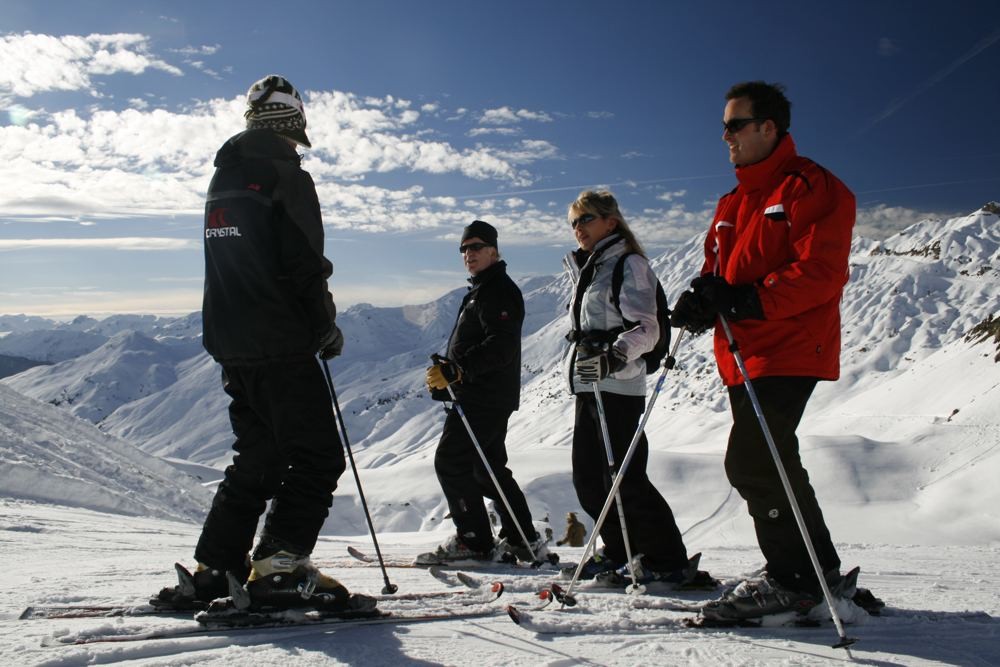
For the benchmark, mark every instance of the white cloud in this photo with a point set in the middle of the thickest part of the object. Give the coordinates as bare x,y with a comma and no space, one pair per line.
880,221
504,131
887,47
139,162
203,50
142,161
30,63
120,243
670,196
509,116
530,150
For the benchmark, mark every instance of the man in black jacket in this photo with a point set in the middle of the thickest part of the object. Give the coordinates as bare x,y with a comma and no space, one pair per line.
483,367
267,311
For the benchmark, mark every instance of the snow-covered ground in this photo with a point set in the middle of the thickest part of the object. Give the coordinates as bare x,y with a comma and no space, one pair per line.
107,458
944,607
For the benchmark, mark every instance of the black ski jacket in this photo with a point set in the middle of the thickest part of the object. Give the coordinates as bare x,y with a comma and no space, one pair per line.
486,341
266,296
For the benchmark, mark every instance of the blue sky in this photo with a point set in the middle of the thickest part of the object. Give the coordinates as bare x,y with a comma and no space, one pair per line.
427,115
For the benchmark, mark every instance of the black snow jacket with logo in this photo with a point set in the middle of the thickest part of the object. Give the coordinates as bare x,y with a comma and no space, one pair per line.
486,341
266,296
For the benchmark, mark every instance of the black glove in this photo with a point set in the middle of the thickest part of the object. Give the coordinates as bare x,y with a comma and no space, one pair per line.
691,314
331,344
596,362
443,373
734,302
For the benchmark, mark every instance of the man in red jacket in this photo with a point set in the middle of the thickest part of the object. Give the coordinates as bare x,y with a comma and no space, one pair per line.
776,262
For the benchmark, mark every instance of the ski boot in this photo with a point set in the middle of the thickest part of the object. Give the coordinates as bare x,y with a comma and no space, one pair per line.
506,552
595,565
453,549
284,580
685,578
195,591
755,598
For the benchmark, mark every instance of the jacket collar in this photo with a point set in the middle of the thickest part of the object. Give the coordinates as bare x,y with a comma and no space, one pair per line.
607,245
770,169
498,268
259,143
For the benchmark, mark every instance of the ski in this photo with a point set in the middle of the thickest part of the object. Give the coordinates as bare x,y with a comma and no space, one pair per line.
551,563
359,555
34,612
280,620
479,593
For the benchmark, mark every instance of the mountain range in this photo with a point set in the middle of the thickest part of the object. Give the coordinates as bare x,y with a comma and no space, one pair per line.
911,428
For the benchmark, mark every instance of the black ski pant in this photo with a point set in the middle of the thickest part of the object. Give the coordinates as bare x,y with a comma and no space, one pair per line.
751,470
287,449
652,529
465,480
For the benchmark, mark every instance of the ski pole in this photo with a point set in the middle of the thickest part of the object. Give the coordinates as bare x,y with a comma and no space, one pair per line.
635,588
389,588
566,598
468,427
845,641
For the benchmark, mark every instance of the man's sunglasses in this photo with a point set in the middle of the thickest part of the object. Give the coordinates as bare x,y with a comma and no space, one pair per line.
474,247
582,220
734,125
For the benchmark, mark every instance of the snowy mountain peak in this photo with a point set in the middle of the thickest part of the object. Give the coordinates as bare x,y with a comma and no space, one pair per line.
910,301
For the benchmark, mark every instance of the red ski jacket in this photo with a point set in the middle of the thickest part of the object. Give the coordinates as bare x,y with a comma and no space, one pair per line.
786,228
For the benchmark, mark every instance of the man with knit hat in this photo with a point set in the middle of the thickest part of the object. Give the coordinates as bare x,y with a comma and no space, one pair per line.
483,368
267,312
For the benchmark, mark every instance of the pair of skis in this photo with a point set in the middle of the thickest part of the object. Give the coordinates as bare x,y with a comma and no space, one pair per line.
471,602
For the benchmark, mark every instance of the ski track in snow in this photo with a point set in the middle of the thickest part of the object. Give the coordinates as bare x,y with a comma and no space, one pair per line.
943,607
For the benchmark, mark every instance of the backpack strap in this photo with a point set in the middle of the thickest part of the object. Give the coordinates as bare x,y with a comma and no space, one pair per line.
617,278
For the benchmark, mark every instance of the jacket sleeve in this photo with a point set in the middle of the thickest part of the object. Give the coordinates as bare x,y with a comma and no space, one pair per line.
500,315
638,304
821,220
305,268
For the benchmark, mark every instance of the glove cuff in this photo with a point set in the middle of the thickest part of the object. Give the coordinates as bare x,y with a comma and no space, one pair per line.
746,304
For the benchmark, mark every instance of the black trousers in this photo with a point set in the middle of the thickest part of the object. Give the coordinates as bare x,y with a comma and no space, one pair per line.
652,529
751,470
465,481
287,449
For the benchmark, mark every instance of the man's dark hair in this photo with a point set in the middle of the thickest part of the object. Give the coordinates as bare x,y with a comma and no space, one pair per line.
767,100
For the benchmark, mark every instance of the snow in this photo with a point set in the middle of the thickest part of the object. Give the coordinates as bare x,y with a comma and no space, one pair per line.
944,607
108,457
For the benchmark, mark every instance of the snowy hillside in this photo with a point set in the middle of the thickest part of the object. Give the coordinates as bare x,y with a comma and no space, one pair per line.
913,394
49,456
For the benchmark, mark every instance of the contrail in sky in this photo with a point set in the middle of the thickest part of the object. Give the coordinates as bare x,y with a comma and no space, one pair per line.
898,104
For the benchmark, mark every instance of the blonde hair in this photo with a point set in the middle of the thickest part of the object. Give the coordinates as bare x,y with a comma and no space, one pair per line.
604,205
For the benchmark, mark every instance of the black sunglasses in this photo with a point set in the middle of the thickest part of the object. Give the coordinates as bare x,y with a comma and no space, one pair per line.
475,247
734,125
582,220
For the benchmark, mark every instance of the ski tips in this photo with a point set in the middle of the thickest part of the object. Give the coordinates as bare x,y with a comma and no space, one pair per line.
514,614
562,596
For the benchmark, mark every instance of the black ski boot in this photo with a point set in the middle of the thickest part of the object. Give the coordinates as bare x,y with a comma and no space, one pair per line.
195,591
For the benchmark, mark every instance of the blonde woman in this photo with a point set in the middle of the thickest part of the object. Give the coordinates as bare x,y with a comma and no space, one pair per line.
607,343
